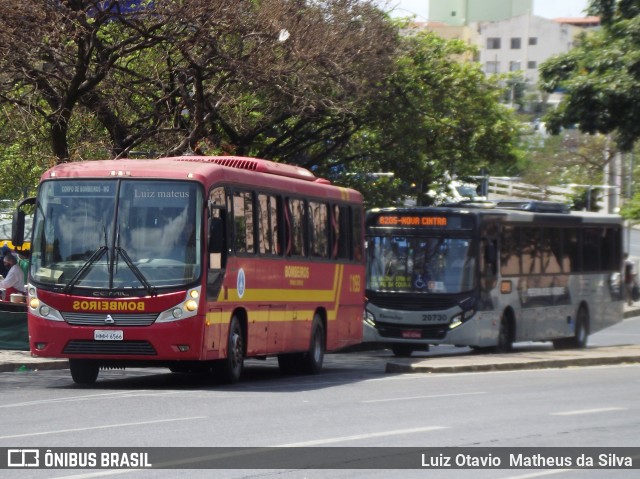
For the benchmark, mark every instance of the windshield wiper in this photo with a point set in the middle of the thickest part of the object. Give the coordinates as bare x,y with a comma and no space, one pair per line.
93,259
136,271
97,254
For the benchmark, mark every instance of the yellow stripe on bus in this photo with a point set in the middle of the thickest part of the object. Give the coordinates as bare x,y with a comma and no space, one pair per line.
274,316
332,314
264,296
292,296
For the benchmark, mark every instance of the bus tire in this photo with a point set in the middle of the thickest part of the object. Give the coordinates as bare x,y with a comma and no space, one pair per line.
580,334
312,360
309,362
83,371
229,369
505,336
401,350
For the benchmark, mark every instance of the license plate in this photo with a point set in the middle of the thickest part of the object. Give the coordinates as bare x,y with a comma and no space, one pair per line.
108,335
411,334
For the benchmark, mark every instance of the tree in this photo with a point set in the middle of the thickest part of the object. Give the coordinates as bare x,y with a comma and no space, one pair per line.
437,116
269,78
284,79
22,158
329,85
54,55
571,157
600,76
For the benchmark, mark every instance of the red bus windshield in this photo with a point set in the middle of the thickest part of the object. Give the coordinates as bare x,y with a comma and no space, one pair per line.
121,234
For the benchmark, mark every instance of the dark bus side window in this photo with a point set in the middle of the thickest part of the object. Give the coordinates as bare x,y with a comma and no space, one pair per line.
591,249
554,250
510,252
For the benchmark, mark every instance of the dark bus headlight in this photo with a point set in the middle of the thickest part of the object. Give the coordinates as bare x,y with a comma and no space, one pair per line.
369,318
458,319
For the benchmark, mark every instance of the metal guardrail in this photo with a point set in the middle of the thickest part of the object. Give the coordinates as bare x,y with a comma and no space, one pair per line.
506,188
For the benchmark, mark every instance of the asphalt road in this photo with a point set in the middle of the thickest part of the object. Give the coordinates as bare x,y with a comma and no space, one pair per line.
352,403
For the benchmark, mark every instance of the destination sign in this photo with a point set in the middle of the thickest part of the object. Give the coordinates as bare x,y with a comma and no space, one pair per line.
437,221
78,188
433,221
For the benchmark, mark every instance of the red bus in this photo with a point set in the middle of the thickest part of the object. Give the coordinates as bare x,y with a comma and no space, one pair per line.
192,263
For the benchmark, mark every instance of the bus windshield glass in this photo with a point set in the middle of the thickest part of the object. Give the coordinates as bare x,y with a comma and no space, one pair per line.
424,264
118,235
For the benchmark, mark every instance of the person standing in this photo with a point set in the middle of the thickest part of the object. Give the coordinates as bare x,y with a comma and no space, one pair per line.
629,279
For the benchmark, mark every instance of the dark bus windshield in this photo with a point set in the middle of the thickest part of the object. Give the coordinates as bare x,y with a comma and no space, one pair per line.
117,234
420,264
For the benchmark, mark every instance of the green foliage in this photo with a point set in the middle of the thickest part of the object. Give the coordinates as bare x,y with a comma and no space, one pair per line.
586,199
378,190
22,156
436,116
631,209
600,77
571,157
341,93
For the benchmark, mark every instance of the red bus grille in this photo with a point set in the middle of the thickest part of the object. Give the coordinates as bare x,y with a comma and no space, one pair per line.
92,319
134,348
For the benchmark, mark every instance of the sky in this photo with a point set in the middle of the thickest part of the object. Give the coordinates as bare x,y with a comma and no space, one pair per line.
542,8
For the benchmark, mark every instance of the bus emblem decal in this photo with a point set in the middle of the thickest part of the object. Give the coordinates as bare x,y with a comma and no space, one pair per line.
241,283
109,320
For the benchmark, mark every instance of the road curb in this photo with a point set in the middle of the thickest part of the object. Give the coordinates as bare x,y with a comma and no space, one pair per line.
392,367
589,357
25,366
22,361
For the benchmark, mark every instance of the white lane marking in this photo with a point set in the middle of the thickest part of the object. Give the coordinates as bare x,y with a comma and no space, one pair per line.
357,437
106,426
588,411
434,396
520,372
88,397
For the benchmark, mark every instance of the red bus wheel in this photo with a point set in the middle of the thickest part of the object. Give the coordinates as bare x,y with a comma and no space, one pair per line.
230,368
314,357
83,371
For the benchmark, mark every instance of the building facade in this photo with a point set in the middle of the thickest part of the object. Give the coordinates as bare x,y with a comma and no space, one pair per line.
464,12
522,43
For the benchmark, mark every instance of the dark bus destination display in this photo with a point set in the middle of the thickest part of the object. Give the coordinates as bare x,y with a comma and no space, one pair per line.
423,221
412,221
